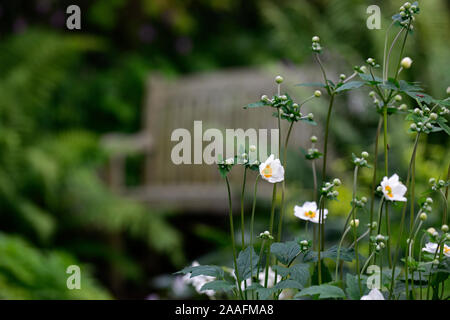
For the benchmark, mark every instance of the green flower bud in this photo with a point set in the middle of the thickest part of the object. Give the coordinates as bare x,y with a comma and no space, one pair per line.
279,79
365,154
315,39
313,139
423,216
433,116
398,97
444,228
337,182
317,93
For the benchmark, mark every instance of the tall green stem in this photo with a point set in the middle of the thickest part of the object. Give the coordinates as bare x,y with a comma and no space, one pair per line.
325,147
386,172
242,207
355,234
232,237
374,177
252,222
272,214
402,221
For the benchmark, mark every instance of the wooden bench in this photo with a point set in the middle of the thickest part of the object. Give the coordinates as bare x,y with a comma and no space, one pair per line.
217,99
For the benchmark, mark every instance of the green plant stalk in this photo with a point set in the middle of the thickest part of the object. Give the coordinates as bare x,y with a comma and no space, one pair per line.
374,178
325,147
441,247
232,237
272,214
339,251
386,172
355,234
402,221
420,260
242,207
283,190
252,222
366,264
319,262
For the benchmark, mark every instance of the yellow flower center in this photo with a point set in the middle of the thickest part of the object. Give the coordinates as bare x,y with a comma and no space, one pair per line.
267,172
310,214
446,249
389,191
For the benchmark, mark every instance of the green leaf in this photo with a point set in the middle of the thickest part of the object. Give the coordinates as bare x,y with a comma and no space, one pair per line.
244,264
350,85
324,291
255,105
212,271
282,271
285,252
300,273
288,284
311,84
441,122
218,285
353,286
345,254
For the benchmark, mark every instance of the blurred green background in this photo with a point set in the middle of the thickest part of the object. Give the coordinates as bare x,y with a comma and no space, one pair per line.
61,90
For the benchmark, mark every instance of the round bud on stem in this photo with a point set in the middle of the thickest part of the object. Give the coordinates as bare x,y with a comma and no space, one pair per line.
364,200
413,126
365,154
444,228
423,216
406,63
432,181
310,116
279,79
354,223
315,39
433,116
342,76
448,91
317,93
313,139
398,97
403,107
337,182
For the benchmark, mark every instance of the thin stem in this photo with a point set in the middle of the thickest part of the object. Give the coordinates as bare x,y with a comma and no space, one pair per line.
252,222
242,207
386,156
339,251
319,262
325,148
232,237
366,264
272,213
402,221
374,177
355,233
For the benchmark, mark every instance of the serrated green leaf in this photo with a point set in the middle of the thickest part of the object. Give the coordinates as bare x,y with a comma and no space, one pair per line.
300,273
440,121
207,270
285,251
244,264
353,286
218,285
255,105
324,291
350,85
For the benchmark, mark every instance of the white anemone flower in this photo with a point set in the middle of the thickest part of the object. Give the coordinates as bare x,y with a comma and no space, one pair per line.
393,189
309,212
262,279
272,170
374,294
431,247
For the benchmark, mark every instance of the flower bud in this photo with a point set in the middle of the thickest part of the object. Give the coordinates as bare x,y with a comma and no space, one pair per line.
304,242
284,97
310,116
429,200
354,223
342,76
372,94
380,237
337,182
432,181
378,248
433,116
279,79
403,107
444,228
406,63
229,161
313,139
448,90
407,5
365,154
364,70
315,39
295,105
382,245
423,216
364,200
398,97
317,93
413,126
435,262
264,97
374,225
335,194
432,231
379,189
